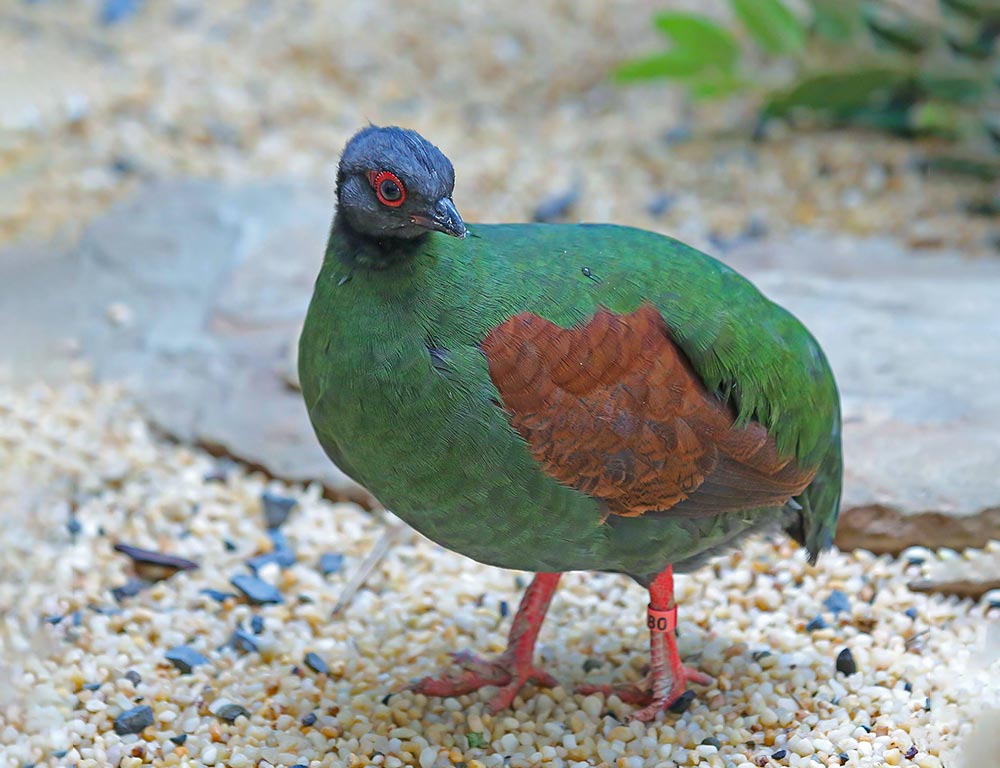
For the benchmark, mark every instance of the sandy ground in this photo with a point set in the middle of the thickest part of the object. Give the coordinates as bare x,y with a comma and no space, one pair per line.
80,472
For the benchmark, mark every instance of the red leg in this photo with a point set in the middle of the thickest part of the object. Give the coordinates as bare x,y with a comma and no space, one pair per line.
513,668
667,677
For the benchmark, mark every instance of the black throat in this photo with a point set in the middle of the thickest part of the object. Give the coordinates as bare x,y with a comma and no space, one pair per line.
357,249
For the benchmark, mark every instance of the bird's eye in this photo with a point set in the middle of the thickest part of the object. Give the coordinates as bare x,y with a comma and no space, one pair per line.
388,188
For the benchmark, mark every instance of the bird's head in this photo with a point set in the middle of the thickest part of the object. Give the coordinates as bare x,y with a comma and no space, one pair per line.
392,182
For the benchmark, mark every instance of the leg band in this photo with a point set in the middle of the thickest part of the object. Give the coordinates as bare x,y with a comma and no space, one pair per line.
659,620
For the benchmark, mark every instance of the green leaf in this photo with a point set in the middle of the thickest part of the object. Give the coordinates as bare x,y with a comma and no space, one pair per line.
965,85
775,28
671,64
895,29
985,167
714,84
836,20
698,37
935,117
837,91
982,10
978,46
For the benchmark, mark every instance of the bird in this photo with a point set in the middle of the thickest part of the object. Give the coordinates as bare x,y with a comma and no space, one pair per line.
559,397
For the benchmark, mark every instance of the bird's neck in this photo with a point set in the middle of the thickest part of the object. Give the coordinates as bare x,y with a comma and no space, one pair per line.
358,249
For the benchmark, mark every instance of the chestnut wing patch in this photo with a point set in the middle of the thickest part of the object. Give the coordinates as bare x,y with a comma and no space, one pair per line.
613,409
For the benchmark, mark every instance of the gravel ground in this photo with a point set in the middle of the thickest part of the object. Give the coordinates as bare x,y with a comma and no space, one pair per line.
81,471
517,94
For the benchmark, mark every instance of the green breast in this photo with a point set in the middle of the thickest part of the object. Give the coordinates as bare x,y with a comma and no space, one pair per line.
422,433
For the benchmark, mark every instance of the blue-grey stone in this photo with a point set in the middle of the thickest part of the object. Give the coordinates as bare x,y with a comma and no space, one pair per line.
818,623
256,590
218,595
837,602
276,508
185,658
330,562
134,720
315,663
229,712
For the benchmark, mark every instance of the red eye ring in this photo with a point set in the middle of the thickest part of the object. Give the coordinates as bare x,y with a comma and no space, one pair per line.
393,193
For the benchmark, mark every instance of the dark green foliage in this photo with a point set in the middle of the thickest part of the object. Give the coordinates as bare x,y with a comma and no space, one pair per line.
912,70
773,26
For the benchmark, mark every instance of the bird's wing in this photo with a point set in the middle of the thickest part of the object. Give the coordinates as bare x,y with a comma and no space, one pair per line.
614,409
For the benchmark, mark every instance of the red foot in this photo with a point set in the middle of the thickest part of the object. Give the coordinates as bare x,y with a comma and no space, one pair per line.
652,705
474,673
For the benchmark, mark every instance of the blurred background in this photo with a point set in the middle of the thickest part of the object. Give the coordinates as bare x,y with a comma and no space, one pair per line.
103,96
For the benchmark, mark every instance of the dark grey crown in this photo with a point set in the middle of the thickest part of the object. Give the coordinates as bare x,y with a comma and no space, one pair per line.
426,175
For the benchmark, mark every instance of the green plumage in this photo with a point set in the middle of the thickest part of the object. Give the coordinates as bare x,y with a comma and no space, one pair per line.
401,398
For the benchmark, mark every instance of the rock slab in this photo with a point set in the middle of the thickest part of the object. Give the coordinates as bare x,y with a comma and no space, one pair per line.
193,292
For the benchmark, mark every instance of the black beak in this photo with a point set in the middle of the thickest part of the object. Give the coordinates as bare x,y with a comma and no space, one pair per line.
444,218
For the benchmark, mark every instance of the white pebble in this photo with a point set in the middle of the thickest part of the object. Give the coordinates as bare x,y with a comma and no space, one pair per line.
428,757
592,706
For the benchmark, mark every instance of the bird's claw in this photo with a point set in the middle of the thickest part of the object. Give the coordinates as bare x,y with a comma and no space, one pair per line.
651,705
473,672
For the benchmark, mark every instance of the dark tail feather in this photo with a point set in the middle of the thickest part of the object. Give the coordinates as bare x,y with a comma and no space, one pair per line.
816,522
